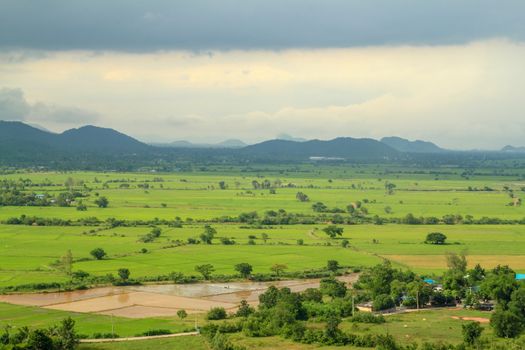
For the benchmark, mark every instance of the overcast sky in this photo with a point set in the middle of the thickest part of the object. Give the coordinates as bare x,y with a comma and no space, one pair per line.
449,71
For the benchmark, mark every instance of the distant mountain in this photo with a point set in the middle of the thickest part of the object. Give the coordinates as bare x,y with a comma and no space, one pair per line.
404,145
17,137
93,138
342,147
230,143
513,149
290,138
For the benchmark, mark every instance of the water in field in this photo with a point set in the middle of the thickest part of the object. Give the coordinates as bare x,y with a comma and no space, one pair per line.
158,300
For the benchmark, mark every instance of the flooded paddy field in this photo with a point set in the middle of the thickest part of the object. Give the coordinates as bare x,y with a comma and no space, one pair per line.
158,300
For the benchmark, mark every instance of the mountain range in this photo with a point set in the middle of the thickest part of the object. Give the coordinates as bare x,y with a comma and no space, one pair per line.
20,136
25,144
418,146
230,143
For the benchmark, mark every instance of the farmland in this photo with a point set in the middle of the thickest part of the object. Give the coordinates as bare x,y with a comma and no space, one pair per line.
485,207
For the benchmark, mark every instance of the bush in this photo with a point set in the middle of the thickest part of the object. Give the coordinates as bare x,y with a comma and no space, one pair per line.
506,324
182,314
154,332
471,332
383,302
216,313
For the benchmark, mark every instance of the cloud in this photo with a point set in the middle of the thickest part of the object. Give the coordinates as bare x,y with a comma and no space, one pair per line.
460,96
139,26
14,106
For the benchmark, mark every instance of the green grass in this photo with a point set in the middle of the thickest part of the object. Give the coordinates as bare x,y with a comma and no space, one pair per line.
28,254
88,324
179,343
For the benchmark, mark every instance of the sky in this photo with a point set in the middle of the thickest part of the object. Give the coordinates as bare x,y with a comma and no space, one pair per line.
448,71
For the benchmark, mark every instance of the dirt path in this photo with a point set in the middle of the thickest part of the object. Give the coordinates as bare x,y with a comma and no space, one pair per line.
111,340
477,319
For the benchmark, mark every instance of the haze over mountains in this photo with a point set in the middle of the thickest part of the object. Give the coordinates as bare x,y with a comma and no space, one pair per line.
22,143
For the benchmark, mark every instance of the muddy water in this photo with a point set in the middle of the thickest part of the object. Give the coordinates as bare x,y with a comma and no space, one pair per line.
158,300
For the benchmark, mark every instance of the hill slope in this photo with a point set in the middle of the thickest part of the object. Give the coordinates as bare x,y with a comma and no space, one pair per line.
404,145
20,139
342,147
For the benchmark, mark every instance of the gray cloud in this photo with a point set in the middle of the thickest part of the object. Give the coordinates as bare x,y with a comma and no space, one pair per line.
14,106
133,25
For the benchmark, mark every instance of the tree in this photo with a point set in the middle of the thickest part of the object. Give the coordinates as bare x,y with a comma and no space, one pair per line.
345,243
436,238
332,287
333,231
471,332
278,269
264,236
222,185
67,262
102,202
205,270
301,197
81,207
319,207
208,234
454,278
312,294
517,302
244,269
124,274
68,338
156,232
332,265
39,340
500,285
98,253
383,302
389,188
182,314
332,324
506,324
245,309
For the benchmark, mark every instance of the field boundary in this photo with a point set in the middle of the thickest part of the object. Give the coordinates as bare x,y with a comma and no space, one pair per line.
149,337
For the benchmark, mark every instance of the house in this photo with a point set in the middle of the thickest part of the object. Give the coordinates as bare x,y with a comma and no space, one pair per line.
520,277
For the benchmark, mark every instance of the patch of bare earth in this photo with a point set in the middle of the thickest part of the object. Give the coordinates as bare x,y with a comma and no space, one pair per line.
476,319
159,300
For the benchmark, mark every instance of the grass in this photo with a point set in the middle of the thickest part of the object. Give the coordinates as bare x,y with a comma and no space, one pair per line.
29,254
88,324
179,343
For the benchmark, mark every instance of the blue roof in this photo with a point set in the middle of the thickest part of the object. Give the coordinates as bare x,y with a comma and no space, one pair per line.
520,276
431,281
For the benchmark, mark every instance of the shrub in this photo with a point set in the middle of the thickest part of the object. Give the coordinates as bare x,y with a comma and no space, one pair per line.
383,302
154,332
216,313
471,332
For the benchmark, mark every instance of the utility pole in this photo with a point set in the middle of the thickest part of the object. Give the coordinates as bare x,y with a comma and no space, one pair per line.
353,304
417,299
112,327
